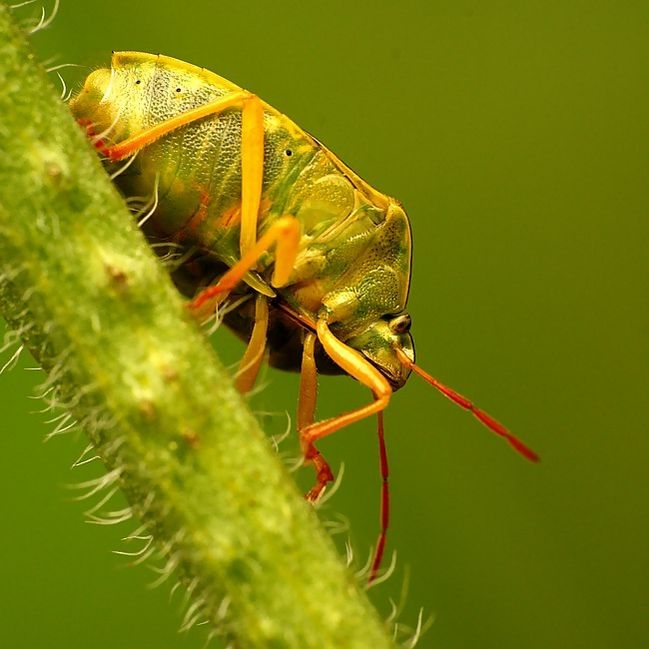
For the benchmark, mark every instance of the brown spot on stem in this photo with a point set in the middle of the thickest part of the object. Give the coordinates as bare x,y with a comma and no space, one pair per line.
191,438
147,409
117,276
169,374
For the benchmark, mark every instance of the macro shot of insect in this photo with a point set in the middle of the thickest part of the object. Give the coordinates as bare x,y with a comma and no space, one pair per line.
307,261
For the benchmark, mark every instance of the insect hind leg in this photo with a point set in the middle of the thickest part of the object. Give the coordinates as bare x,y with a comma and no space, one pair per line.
305,417
254,354
252,150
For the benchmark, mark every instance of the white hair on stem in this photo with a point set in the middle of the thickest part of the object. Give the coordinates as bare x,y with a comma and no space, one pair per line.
64,87
103,501
109,87
192,615
43,396
123,168
216,319
419,630
174,589
397,609
276,440
63,426
61,66
293,462
152,205
11,338
44,22
166,571
111,518
386,573
22,4
338,524
11,363
97,484
148,541
106,132
14,336
172,255
82,459
349,553
222,611
62,416
362,573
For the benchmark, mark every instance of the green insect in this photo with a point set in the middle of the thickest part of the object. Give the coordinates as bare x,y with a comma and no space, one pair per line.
276,217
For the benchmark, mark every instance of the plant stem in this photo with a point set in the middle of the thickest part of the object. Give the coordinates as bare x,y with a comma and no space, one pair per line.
95,308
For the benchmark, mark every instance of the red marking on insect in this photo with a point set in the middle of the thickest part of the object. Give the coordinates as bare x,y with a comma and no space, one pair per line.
230,217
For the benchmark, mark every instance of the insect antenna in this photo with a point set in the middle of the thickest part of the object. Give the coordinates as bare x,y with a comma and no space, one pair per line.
385,501
491,423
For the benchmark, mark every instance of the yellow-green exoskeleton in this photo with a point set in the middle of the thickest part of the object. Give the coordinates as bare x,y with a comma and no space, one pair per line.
268,212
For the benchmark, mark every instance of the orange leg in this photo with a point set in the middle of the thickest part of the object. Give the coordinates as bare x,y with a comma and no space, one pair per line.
305,416
308,383
252,170
363,371
252,151
254,354
285,233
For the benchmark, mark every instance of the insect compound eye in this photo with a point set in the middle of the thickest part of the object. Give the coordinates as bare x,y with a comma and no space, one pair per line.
401,324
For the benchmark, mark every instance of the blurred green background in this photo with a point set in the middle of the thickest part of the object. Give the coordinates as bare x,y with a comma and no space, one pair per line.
516,136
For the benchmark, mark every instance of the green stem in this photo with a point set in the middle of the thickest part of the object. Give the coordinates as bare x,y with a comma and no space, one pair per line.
95,308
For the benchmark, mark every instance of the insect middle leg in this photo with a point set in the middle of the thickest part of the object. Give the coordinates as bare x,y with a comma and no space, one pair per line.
285,234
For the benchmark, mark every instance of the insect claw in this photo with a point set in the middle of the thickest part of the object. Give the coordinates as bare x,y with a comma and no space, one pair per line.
323,477
334,488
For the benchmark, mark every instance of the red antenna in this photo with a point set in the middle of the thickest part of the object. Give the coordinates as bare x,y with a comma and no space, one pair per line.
385,502
463,402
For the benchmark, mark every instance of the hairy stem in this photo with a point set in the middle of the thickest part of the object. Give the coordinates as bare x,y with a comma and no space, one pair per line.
95,308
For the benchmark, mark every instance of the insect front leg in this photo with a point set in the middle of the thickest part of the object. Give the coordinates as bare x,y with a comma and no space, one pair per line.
363,371
305,416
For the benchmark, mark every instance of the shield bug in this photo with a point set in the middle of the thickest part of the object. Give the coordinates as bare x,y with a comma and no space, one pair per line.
273,216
